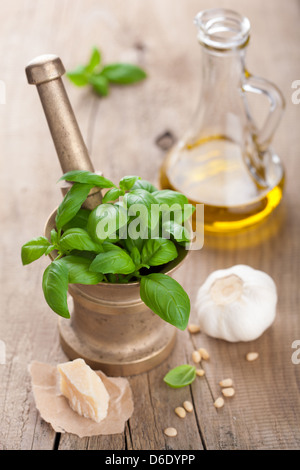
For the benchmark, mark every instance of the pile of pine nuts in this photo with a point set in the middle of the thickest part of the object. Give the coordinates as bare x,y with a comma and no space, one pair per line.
226,385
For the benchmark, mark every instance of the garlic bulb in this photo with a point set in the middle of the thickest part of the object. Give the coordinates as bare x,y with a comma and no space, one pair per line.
236,304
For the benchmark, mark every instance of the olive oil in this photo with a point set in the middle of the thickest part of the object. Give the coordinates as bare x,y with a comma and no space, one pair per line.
214,171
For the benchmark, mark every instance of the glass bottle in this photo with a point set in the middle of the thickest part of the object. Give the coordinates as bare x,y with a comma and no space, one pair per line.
224,160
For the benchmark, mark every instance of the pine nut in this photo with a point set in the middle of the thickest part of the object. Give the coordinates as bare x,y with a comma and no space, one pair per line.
203,353
180,412
200,372
194,328
196,357
219,403
252,356
188,406
226,383
170,432
228,392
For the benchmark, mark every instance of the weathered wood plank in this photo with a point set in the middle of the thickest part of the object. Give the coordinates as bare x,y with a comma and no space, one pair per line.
267,391
122,133
156,402
166,399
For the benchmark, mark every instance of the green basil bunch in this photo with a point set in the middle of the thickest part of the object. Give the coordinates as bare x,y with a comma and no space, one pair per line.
96,246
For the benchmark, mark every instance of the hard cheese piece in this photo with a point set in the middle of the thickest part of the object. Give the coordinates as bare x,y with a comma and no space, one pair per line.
84,389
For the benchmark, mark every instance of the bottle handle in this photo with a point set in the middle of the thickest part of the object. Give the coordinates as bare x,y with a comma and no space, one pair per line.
260,86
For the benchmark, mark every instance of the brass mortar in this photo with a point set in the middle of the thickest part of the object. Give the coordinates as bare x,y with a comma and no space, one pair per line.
112,329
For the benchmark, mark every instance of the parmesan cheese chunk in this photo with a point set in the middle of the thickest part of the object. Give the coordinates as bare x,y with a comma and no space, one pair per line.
84,389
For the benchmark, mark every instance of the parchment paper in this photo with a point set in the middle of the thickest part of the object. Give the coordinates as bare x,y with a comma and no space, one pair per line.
54,407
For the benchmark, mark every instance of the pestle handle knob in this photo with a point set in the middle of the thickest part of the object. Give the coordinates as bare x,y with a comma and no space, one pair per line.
44,69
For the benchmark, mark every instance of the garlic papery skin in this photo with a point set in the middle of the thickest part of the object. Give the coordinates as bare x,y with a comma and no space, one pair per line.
236,304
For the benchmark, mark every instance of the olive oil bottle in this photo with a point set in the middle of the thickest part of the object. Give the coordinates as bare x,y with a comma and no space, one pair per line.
224,160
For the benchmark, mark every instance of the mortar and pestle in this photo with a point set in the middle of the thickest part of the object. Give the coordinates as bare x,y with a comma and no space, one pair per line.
110,326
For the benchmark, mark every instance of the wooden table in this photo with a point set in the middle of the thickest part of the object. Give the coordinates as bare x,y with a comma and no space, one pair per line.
123,133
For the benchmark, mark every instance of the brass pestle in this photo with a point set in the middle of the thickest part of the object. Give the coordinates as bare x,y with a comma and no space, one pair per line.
45,72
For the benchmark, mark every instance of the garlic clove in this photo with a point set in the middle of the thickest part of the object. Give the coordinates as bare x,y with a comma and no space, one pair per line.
236,304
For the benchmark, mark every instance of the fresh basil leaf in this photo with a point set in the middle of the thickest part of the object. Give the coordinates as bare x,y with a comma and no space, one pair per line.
95,60
114,262
105,220
71,203
114,238
34,249
189,209
77,239
79,273
123,74
130,244
87,177
54,236
140,196
165,297
49,249
140,201
144,184
109,246
180,376
112,195
171,204
135,256
127,182
78,76
84,254
79,221
158,251
169,197
177,231
100,84
55,287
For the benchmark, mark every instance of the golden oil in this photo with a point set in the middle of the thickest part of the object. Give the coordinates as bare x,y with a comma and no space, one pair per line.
214,171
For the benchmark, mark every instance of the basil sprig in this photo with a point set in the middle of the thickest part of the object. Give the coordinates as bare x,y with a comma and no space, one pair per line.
111,244
100,76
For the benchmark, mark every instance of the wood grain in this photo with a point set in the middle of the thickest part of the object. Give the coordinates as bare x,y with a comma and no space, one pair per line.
123,134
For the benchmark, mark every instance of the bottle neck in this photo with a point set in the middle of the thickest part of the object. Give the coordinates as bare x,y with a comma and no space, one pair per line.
220,99
222,70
